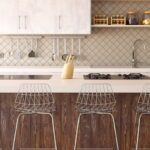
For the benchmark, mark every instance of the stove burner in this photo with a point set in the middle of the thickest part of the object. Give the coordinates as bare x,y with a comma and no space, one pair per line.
133,76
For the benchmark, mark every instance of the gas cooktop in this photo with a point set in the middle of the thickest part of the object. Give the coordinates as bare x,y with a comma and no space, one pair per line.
130,76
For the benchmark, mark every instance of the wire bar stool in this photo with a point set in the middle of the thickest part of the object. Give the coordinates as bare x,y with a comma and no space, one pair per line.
35,98
96,99
143,108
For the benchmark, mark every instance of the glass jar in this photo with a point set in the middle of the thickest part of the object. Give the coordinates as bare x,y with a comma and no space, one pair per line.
132,18
146,18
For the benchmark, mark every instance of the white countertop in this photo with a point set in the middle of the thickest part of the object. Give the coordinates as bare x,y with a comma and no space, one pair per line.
73,85
57,70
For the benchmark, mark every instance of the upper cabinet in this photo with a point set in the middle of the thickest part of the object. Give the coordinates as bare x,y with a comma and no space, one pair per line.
75,17
38,16
45,17
8,17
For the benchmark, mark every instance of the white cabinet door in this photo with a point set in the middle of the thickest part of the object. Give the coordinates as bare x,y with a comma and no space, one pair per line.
66,17
82,16
75,17
25,9
45,16
9,19
55,16
39,16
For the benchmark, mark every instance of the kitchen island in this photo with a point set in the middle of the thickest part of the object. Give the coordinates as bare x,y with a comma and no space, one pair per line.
95,131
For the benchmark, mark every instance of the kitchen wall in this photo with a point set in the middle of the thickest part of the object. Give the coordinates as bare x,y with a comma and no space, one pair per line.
105,47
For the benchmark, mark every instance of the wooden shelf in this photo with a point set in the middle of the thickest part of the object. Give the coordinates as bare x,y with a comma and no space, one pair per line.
120,0
120,26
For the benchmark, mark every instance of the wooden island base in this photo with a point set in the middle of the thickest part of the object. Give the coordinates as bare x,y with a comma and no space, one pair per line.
95,131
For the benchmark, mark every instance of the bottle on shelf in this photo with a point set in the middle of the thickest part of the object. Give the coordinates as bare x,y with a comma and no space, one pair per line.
146,18
132,18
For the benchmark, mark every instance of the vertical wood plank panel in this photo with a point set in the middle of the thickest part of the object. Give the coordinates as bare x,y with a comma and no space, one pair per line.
95,131
126,121
6,125
59,98
46,132
25,132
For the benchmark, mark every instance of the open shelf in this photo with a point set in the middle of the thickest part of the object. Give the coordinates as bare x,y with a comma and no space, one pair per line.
120,0
120,26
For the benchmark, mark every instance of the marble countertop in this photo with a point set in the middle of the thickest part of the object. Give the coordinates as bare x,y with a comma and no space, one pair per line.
72,85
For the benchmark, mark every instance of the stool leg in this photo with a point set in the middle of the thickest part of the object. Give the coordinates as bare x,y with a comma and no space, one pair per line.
13,146
136,115
138,131
53,126
77,129
114,126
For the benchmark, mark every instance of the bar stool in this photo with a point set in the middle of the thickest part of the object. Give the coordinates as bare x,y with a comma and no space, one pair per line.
96,99
143,108
35,98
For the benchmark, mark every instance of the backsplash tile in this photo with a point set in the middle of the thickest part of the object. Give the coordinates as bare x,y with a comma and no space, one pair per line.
105,47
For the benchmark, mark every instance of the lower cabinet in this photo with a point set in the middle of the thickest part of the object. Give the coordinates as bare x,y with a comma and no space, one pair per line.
95,131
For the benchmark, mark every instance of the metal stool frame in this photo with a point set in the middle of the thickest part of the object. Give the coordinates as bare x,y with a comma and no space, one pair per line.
96,99
42,103
143,108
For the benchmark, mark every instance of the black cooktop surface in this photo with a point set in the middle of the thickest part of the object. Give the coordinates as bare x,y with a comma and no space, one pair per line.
130,76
